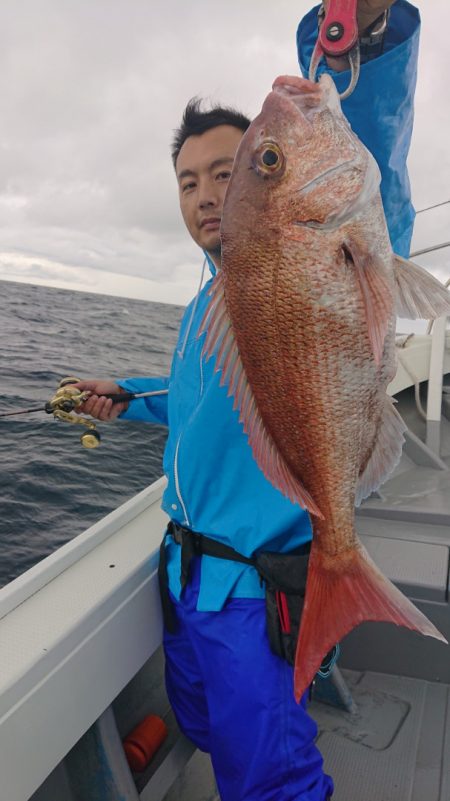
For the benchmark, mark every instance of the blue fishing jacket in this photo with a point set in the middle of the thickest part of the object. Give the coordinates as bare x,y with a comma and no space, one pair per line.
214,485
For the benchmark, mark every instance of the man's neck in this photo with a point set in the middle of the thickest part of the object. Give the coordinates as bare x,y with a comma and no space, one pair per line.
216,257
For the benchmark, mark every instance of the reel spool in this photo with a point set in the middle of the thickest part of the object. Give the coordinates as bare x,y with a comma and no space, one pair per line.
66,400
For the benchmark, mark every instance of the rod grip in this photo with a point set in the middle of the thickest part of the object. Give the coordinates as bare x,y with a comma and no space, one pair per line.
119,397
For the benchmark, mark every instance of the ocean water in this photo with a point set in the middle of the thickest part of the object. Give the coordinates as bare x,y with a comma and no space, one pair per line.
51,487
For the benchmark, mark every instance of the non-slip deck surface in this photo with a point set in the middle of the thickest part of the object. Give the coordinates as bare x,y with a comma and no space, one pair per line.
396,748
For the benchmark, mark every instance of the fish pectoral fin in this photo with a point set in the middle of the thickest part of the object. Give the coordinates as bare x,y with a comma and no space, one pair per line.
376,293
220,341
375,287
386,452
419,294
341,592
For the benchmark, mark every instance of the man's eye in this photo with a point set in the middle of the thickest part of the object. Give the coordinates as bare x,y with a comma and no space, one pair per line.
224,175
188,187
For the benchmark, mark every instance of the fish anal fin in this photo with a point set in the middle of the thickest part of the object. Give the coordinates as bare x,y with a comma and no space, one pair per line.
220,341
386,452
342,592
419,294
376,291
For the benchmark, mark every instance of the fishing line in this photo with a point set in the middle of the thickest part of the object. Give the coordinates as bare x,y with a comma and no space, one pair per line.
433,247
23,411
436,205
430,249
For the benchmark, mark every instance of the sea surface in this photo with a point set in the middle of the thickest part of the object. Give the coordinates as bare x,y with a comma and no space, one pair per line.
51,487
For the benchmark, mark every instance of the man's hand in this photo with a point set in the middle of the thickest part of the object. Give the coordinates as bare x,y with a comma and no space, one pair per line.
97,405
367,12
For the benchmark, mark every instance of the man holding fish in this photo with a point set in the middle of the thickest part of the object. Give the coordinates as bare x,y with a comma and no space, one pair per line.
300,307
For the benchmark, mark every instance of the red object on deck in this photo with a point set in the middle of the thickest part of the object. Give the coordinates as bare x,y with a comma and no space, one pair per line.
142,743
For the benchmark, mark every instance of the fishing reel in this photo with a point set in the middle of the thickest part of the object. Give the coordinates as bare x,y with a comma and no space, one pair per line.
66,400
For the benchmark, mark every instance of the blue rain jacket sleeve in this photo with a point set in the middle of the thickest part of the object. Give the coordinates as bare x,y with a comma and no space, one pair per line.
148,410
380,110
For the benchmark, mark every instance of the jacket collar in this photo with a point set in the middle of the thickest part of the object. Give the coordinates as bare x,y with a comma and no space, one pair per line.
211,265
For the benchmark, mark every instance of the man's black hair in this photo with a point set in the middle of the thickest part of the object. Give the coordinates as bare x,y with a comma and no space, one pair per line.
195,122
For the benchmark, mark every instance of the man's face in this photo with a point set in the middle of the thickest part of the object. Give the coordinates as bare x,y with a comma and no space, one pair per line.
203,170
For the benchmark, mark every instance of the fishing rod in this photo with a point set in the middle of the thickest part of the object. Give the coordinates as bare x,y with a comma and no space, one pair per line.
432,247
68,399
434,206
429,249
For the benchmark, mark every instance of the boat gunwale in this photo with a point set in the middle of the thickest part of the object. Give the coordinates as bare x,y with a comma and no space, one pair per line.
24,586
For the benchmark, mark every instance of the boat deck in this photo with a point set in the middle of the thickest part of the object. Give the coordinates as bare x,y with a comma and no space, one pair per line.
396,747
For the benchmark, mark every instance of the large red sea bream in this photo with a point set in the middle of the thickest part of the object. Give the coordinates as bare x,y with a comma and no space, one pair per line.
302,326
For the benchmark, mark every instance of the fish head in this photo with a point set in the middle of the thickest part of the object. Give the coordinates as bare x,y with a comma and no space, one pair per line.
299,163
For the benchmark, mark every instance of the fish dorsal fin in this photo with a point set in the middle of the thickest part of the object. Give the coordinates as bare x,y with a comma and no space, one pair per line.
376,294
221,342
419,294
386,452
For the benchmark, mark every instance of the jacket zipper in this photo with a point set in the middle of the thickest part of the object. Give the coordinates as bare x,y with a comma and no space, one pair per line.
177,484
181,356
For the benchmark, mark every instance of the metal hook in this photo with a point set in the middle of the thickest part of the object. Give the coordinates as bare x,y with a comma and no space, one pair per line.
338,36
354,59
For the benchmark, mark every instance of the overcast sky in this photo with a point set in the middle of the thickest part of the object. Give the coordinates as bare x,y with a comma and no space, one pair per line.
91,91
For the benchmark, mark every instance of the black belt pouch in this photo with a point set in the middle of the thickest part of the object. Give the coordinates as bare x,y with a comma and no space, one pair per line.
285,581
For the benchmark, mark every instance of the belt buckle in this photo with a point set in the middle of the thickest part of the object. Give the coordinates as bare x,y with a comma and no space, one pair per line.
176,532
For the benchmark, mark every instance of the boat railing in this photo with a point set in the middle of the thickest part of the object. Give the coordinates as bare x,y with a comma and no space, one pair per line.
425,358
435,384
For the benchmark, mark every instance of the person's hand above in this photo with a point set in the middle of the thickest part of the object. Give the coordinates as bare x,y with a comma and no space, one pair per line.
97,405
367,12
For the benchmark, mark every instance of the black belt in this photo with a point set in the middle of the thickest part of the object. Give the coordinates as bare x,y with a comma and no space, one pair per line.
194,544
283,575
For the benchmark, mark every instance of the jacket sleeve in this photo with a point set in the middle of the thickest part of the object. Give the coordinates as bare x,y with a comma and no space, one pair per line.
380,110
149,410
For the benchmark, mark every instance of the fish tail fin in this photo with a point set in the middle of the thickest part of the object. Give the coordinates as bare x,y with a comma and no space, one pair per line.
338,599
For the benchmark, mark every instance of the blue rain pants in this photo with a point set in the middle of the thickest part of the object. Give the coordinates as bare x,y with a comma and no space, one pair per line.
260,740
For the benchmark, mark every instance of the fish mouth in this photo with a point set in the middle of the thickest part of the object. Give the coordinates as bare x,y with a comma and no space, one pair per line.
307,96
294,86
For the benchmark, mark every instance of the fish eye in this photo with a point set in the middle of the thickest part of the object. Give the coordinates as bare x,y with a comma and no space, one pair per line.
268,159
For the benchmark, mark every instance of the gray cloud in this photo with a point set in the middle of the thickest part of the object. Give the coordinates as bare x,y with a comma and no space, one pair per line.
91,92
